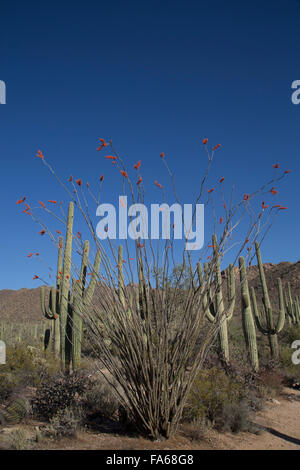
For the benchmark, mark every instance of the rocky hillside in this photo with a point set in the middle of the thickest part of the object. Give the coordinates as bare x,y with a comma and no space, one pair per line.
24,304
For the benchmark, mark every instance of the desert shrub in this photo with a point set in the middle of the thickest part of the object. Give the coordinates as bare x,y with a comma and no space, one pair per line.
17,410
220,399
197,429
289,335
17,440
25,366
65,423
100,400
59,392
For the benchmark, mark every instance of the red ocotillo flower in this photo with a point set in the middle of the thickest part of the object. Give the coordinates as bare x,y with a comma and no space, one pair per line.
30,255
246,197
137,165
162,155
42,232
78,234
158,184
275,165
58,231
79,182
71,178
52,201
35,277
205,141
101,178
224,205
273,191
103,144
216,146
222,179
123,173
21,200
221,220
276,206
60,245
210,190
282,208
40,155
141,245
42,204
139,180
37,254
87,185
110,157
287,171
264,206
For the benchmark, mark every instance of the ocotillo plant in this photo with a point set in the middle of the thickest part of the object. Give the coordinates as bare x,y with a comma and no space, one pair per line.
214,307
160,352
52,312
269,328
247,318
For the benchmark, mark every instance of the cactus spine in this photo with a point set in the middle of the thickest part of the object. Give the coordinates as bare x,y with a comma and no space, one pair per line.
269,329
214,307
247,318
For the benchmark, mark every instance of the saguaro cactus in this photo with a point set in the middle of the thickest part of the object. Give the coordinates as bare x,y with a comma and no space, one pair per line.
292,307
215,308
52,311
247,318
270,329
65,345
82,298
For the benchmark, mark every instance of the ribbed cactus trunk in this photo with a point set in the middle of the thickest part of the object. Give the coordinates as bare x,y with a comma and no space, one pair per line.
65,346
82,298
216,312
270,329
247,318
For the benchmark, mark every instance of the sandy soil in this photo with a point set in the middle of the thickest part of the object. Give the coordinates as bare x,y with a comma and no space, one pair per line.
280,423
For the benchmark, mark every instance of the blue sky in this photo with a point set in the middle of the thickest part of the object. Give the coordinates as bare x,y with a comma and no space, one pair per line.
152,76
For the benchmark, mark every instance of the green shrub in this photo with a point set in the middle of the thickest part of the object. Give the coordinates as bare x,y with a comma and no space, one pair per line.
17,440
25,366
100,400
65,423
218,398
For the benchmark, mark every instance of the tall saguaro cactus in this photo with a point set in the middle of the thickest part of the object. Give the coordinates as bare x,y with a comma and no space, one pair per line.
52,312
292,307
65,346
269,329
82,298
214,307
247,318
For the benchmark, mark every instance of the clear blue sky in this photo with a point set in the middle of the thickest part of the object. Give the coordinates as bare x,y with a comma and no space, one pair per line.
153,76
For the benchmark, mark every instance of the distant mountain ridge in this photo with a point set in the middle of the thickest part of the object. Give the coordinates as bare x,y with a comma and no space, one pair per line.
24,305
